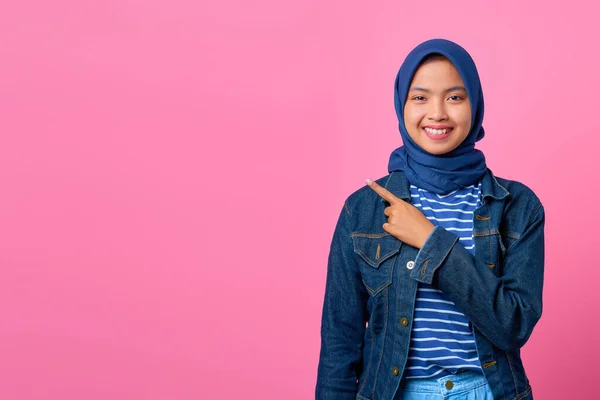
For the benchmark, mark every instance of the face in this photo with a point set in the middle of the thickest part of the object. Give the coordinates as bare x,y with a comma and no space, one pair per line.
437,113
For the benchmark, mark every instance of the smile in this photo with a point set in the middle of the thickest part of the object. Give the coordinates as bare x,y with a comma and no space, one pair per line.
437,134
438,131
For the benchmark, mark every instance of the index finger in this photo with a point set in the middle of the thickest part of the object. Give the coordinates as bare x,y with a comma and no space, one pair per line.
383,192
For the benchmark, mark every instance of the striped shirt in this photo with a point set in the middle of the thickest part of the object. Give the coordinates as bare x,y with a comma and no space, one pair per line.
442,342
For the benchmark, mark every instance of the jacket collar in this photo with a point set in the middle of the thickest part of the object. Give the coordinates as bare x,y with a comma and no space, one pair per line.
398,184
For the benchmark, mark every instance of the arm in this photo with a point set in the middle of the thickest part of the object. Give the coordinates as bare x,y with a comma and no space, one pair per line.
343,319
504,308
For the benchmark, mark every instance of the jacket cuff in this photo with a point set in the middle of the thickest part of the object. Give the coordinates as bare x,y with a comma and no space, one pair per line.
432,254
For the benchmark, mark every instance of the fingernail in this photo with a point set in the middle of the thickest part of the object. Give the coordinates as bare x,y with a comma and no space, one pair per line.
369,181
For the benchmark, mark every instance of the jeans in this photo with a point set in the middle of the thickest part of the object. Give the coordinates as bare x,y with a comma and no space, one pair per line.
467,385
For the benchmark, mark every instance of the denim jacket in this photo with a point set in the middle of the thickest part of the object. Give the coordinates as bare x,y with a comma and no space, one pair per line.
370,291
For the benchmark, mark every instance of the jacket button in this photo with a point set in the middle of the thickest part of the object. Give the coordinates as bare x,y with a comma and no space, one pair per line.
403,321
410,264
395,371
449,385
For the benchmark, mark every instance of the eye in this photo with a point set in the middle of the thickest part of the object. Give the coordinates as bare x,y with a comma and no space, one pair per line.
419,98
456,98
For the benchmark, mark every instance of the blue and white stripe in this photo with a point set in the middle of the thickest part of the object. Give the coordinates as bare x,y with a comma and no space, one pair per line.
442,342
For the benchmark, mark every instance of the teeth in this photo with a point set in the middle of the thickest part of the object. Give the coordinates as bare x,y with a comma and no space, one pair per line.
437,131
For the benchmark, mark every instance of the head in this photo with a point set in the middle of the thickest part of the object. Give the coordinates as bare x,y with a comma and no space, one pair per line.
438,99
437,113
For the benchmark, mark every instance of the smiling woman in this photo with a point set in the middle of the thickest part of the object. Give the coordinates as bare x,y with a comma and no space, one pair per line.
435,272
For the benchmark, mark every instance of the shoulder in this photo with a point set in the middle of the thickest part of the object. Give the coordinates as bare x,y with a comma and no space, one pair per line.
520,195
364,196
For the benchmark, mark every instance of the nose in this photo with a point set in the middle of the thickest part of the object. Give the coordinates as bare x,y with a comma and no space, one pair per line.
438,111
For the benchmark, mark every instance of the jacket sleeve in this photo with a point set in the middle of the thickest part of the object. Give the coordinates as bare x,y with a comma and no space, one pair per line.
343,319
504,308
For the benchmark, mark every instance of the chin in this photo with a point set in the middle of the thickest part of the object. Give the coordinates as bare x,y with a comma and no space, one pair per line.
437,152
437,148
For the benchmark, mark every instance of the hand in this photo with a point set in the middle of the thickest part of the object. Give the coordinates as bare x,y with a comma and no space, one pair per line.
405,221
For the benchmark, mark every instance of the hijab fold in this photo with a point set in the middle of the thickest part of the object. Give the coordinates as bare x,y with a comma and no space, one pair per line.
464,165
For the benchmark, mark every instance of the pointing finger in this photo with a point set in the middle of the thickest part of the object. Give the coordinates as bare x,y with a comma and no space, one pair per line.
383,192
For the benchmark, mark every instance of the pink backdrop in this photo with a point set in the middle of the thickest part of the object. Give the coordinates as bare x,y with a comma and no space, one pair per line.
171,173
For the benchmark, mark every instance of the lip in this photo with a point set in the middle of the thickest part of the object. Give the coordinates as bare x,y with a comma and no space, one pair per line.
437,137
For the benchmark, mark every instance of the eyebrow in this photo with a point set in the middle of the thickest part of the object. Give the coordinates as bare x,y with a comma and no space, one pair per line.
450,89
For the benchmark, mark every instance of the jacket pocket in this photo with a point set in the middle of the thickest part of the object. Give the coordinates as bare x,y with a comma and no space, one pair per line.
490,248
376,254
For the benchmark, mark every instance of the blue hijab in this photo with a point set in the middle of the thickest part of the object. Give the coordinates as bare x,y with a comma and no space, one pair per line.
462,166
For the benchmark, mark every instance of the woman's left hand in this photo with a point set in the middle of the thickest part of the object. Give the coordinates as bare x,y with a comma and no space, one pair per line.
405,221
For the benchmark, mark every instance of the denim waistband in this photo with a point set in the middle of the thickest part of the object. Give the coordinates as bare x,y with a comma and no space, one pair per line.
462,381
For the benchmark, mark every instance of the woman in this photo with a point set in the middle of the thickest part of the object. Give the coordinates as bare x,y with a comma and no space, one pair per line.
435,272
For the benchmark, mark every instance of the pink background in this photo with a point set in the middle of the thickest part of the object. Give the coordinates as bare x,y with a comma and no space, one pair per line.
171,173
